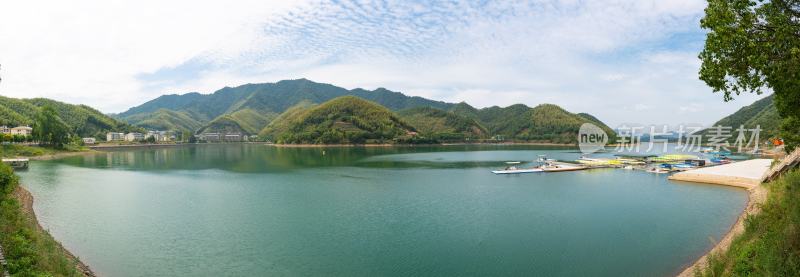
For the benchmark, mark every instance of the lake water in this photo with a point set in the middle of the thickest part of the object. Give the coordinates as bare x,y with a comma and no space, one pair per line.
255,210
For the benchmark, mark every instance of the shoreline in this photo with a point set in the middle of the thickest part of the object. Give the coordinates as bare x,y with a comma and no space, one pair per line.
25,199
60,155
756,196
309,145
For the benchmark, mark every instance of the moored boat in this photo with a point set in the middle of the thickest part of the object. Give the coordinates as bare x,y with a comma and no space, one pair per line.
514,170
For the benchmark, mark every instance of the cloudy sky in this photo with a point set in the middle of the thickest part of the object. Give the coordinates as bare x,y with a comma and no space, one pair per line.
625,61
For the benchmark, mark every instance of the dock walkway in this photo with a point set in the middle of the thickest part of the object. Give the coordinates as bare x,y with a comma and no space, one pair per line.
747,174
789,162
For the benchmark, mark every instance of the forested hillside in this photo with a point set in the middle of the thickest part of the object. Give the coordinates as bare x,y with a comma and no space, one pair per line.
267,100
80,119
268,110
164,119
761,113
443,125
347,119
543,123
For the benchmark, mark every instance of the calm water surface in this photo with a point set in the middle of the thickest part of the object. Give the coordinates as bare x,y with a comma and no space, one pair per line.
254,210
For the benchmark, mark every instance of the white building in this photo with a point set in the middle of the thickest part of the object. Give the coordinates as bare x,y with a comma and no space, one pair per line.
134,136
160,135
21,130
112,136
89,141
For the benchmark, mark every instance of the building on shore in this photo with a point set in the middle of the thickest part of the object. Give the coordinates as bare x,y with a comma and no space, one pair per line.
89,140
114,136
221,137
162,136
134,136
22,130
19,130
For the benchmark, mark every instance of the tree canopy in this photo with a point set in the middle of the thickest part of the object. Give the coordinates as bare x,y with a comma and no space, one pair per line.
49,129
753,46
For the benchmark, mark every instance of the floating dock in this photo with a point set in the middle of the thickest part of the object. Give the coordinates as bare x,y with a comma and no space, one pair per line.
747,174
20,163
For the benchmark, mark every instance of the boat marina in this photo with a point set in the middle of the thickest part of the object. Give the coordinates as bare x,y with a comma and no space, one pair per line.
657,164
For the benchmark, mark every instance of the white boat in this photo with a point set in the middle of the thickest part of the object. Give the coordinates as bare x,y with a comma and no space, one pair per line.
658,170
514,170
556,167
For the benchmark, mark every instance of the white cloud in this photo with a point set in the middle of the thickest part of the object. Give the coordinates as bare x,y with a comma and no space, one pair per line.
601,57
91,51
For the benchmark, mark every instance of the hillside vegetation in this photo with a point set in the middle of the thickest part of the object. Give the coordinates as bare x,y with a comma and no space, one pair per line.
80,119
284,122
270,109
543,123
246,121
442,125
267,100
164,119
770,244
347,119
761,113
29,250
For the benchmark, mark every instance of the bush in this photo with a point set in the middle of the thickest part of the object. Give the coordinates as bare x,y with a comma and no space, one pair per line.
8,180
770,244
29,250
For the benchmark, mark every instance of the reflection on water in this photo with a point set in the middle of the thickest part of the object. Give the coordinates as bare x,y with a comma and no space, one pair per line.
255,210
254,158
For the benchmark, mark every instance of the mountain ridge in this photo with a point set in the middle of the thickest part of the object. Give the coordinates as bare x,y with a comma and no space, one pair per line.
267,101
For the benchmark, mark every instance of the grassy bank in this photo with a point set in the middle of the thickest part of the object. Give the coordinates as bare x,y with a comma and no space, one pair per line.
17,150
29,250
770,244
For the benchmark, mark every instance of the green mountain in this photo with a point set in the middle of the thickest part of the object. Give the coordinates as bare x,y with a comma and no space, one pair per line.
761,113
543,123
246,121
346,119
267,100
268,109
443,125
82,120
164,119
285,121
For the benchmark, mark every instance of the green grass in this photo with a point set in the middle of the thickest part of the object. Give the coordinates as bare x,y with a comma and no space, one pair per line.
29,251
16,150
770,244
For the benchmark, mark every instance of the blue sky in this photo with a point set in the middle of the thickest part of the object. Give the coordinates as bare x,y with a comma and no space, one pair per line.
622,61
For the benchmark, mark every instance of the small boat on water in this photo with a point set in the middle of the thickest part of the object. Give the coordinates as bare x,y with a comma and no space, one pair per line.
557,167
511,169
661,169
547,165
514,170
683,167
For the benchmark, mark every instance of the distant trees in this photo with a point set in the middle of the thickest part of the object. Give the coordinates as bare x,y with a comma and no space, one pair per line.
15,138
49,129
753,45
